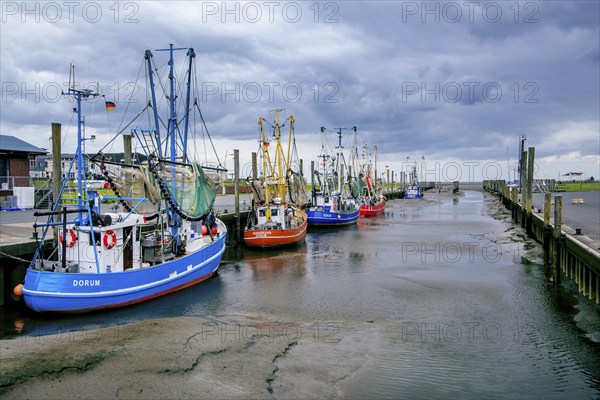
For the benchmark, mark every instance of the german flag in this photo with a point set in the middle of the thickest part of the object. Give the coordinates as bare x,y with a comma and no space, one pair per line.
110,106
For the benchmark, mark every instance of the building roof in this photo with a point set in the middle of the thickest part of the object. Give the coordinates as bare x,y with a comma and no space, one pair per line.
11,144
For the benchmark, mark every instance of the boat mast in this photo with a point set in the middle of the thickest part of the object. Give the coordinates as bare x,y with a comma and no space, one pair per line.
191,55
289,149
325,185
264,146
279,159
78,95
354,161
148,57
81,178
339,154
174,218
375,167
172,111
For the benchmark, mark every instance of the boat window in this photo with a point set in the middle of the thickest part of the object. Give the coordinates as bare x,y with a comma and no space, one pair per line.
261,212
273,212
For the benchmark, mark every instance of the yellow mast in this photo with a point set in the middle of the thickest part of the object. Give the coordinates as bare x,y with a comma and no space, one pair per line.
288,167
266,159
278,152
287,164
278,188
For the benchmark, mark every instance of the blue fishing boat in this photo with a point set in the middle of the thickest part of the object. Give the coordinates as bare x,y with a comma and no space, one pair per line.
333,203
413,189
161,235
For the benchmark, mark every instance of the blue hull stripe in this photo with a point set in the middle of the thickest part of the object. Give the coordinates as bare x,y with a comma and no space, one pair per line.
331,218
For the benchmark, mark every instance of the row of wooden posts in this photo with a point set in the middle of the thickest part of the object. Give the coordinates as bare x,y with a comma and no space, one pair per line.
563,251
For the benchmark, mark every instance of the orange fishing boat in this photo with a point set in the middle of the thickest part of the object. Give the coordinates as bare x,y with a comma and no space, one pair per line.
275,233
276,219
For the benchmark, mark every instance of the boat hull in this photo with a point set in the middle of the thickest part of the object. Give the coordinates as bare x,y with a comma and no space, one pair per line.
368,210
46,291
413,192
272,238
331,218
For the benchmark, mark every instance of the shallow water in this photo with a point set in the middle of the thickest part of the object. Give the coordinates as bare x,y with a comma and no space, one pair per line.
458,314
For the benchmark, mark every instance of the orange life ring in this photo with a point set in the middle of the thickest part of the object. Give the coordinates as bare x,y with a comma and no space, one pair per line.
110,239
71,238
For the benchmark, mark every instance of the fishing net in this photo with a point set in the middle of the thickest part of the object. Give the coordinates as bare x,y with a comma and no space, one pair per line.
298,189
188,189
356,187
136,188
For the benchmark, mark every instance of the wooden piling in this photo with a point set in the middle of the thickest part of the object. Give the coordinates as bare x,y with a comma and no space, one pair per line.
236,190
515,203
547,229
402,179
56,165
254,167
557,236
127,149
388,178
529,191
523,188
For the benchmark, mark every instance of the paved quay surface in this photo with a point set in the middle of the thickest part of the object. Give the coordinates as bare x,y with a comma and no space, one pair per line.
584,216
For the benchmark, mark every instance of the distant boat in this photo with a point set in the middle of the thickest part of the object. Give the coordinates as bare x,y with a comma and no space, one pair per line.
165,237
277,219
372,200
413,189
333,204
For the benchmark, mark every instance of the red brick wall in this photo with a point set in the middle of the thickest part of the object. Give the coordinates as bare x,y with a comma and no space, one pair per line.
19,168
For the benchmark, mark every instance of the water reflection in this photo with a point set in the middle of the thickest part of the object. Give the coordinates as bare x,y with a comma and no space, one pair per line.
288,263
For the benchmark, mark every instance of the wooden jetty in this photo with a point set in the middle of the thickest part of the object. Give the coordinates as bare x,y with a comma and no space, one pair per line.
568,253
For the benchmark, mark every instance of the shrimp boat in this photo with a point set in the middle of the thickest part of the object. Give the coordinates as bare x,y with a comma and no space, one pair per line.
413,189
277,219
372,201
161,235
334,202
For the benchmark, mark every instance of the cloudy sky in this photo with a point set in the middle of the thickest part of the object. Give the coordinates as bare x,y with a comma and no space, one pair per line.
449,84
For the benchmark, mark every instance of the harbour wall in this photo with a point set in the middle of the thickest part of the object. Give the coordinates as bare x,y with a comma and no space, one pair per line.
567,252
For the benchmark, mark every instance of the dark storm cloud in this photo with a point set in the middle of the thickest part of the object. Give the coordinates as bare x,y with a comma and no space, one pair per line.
448,79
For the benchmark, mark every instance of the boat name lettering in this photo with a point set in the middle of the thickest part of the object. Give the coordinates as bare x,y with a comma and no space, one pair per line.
262,234
86,282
